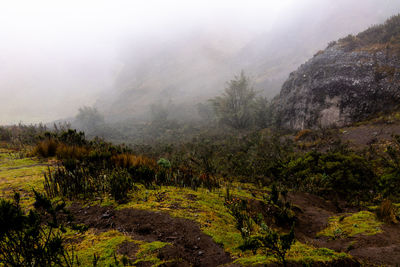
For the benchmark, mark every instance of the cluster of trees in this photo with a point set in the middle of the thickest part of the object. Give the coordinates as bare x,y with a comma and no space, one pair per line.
239,107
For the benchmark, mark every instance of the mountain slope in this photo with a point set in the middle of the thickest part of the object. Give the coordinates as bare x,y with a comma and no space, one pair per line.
193,67
352,79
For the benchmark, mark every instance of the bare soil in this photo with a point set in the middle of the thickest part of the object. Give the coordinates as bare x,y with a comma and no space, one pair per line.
370,250
190,246
364,135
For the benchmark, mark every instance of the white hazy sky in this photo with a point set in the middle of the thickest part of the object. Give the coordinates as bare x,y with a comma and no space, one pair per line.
58,55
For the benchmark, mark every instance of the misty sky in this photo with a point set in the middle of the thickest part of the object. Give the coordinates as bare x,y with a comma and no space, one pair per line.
56,56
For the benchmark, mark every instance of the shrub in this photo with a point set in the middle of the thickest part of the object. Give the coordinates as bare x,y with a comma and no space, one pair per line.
5,134
279,207
270,241
46,148
302,134
164,171
350,42
72,137
164,163
120,183
238,209
143,174
126,160
387,212
331,174
74,180
65,151
28,239
389,181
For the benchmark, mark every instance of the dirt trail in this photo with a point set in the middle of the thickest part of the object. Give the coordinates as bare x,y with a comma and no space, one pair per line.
189,244
25,166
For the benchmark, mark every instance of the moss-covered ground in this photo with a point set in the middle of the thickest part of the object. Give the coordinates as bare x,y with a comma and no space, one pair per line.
202,206
363,222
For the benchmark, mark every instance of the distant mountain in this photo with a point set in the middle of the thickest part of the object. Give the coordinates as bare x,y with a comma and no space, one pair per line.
181,72
353,79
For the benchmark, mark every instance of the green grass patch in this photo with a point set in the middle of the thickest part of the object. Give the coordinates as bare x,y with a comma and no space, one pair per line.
363,222
148,252
103,245
299,253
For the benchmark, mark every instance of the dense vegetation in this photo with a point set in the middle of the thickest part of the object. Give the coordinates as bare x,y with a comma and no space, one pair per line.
33,239
386,35
234,146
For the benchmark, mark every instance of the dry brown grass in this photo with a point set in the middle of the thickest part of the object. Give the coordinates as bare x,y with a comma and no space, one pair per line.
46,148
129,160
387,212
66,151
302,134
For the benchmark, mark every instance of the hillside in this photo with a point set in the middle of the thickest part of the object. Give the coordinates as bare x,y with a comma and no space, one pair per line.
351,80
181,71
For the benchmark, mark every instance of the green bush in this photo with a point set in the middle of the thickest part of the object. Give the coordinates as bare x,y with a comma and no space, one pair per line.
120,183
389,182
28,239
143,174
332,174
270,241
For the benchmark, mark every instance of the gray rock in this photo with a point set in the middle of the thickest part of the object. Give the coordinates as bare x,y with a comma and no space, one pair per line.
337,88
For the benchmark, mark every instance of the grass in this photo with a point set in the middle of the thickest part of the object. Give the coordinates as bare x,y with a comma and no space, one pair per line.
20,175
363,222
299,253
105,245
148,252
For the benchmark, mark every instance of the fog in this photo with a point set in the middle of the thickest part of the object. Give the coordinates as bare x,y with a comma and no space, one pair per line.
123,56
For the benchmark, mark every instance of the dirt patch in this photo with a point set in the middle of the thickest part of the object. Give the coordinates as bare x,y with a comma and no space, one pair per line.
190,245
25,166
128,249
312,217
312,213
379,249
364,135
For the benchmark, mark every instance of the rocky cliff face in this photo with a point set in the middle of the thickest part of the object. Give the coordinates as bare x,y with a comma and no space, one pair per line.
339,86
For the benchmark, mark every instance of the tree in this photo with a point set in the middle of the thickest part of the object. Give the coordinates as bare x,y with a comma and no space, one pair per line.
235,107
89,119
263,112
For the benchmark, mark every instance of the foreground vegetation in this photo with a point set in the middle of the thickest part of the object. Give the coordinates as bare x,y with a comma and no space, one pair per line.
220,182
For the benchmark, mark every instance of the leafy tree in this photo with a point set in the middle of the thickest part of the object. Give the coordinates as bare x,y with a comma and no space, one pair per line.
236,106
263,112
89,119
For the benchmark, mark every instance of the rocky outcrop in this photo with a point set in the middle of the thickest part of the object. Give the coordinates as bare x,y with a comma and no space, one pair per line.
338,87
